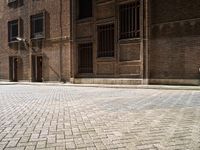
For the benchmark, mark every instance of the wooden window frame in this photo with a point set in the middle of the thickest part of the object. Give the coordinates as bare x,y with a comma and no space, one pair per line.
38,35
10,23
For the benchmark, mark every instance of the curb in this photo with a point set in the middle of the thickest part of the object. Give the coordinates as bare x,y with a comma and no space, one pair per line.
157,87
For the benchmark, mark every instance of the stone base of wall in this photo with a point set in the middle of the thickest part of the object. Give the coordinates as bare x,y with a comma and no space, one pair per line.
4,80
116,81
175,81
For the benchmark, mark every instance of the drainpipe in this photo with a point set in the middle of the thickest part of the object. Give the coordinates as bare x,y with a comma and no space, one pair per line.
147,14
71,40
61,43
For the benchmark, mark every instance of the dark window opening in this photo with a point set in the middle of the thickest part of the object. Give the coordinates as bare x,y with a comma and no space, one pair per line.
85,58
85,9
130,20
13,68
37,63
15,3
37,26
13,30
105,40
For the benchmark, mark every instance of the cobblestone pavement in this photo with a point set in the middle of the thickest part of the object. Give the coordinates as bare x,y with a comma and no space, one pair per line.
87,118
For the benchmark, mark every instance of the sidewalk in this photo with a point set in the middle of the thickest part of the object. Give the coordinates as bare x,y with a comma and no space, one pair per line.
161,87
34,117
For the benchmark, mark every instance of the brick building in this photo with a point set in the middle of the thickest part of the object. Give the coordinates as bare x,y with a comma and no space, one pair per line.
110,41
100,41
35,40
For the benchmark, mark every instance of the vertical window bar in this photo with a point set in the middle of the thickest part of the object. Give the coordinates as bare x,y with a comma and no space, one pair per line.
138,19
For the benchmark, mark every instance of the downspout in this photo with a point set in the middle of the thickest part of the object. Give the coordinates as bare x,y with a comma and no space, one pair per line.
61,43
29,8
71,40
147,30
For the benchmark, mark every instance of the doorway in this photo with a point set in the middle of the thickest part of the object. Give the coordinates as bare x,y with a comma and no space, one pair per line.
37,62
13,69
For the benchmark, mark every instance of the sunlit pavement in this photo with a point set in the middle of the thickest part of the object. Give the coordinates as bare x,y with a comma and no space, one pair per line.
68,117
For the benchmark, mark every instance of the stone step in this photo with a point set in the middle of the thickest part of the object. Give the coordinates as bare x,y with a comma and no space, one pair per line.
117,81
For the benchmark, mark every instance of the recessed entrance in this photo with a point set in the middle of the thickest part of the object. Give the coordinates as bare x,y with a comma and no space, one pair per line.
85,58
37,68
13,69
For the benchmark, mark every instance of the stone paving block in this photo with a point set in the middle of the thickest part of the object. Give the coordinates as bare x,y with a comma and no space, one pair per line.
51,140
30,148
24,139
15,148
91,148
3,145
12,143
48,148
27,144
60,148
70,145
41,144
10,139
68,133
60,136
34,136
100,146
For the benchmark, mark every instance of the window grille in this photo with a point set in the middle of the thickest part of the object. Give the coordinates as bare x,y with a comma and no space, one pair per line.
105,40
85,57
129,19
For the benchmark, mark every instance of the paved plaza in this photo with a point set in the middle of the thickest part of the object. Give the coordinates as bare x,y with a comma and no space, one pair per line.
94,118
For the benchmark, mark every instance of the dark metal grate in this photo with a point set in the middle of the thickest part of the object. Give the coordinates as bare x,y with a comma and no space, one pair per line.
105,40
130,20
85,58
